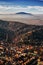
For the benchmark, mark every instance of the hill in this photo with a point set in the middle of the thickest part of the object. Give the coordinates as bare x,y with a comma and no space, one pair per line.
15,30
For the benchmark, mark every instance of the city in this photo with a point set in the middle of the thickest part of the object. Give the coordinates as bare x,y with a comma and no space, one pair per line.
21,32
22,48
22,54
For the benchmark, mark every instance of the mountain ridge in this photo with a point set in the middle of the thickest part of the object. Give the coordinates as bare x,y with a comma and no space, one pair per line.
24,13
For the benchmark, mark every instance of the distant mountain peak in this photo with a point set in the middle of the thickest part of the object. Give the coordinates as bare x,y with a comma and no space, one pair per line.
24,13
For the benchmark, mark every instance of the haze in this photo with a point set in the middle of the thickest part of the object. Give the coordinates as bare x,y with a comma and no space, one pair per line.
28,19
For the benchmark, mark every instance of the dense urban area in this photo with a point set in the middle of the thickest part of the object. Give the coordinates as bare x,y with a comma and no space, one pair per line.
21,44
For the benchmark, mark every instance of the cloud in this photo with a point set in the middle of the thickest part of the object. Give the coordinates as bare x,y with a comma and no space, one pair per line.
8,9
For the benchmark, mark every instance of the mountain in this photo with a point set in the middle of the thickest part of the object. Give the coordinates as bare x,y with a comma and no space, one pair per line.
12,30
24,13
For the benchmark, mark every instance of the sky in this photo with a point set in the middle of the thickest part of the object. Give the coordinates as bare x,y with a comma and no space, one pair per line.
14,6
